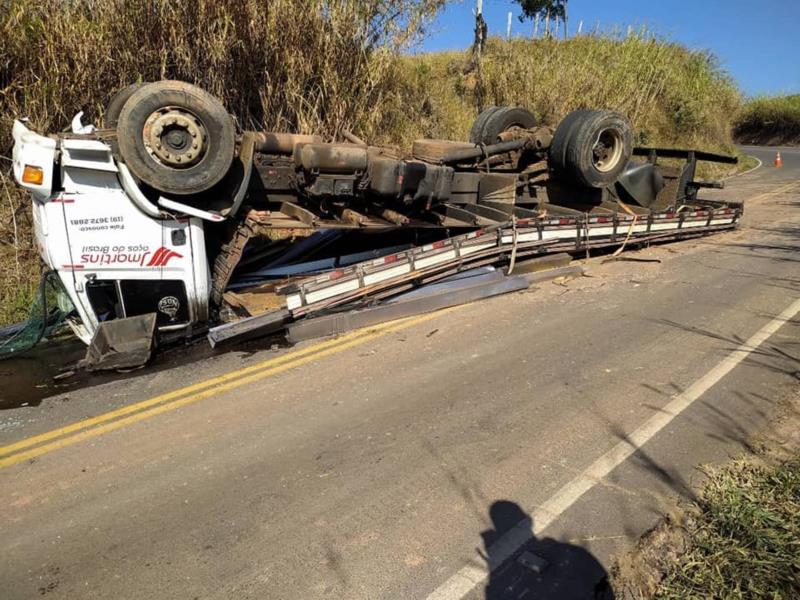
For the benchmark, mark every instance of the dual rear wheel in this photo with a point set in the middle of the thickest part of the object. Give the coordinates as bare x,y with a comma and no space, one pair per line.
498,119
590,147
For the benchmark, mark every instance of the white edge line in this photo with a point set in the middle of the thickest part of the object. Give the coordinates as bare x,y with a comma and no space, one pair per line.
470,577
758,166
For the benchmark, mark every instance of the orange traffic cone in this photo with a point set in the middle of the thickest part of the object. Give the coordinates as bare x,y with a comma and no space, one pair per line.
778,161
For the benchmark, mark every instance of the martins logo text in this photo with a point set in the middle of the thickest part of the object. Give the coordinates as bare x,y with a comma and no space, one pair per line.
139,255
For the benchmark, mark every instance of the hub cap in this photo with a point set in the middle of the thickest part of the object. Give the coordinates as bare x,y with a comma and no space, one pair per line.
175,137
607,150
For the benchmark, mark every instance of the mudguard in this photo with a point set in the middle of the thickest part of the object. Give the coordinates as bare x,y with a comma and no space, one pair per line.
121,343
642,182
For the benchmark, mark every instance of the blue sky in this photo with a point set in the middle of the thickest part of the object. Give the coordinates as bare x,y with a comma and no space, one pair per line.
757,42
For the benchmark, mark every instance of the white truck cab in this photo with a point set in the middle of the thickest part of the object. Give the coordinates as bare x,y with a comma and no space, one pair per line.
116,254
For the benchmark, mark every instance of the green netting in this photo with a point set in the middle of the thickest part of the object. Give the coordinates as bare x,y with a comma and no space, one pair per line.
47,313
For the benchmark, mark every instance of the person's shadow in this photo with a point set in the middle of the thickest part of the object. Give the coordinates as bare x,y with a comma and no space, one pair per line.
524,567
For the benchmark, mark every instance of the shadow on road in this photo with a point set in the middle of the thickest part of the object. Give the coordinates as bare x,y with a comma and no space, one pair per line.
542,569
768,356
31,377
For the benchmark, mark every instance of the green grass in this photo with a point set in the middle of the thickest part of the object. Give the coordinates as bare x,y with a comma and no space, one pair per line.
770,121
747,162
744,538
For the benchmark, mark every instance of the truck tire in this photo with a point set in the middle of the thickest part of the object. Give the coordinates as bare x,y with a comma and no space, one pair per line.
503,119
593,147
118,100
176,138
563,134
476,133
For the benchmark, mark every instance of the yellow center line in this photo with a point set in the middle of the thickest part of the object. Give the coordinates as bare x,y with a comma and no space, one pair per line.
214,381
784,188
115,419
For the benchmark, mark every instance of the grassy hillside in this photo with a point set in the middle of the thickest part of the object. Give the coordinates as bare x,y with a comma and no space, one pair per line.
770,121
322,66
671,94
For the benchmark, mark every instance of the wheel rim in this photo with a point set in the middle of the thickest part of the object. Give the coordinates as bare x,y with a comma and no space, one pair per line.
175,137
607,150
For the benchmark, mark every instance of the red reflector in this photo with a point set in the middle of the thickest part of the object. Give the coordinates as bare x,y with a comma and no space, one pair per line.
602,219
563,221
439,244
390,259
336,275
669,215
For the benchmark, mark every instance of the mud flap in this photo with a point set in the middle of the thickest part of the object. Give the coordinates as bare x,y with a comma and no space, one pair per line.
121,343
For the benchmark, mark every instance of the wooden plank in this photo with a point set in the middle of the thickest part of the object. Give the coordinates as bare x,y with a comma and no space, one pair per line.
299,213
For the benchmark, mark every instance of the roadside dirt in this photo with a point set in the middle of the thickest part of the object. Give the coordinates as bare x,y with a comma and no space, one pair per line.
767,137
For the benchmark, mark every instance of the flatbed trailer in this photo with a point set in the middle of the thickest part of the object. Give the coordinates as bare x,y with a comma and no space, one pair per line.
166,216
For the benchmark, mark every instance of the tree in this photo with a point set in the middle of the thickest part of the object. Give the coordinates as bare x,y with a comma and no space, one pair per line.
556,9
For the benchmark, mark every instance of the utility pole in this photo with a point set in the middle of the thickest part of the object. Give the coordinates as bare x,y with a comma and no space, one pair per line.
480,29
508,27
536,25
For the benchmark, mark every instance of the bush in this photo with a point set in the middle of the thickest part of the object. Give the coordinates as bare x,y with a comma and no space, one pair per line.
770,121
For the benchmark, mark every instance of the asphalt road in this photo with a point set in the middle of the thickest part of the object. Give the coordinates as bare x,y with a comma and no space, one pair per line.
400,462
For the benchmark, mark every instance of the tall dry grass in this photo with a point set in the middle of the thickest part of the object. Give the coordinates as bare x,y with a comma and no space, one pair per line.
671,94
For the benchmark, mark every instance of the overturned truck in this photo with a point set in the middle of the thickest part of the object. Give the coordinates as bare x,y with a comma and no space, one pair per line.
170,223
